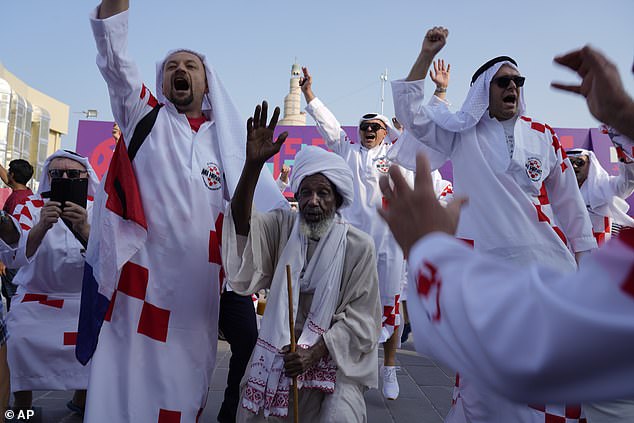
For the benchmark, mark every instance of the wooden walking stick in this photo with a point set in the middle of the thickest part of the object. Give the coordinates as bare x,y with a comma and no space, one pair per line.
291,324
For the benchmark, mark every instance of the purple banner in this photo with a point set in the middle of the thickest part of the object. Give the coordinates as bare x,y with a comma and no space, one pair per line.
94,140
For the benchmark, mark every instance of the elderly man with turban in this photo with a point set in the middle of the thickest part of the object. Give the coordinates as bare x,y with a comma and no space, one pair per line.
524,204
335,287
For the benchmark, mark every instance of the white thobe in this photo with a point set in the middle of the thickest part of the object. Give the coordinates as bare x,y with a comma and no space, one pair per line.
45,311
533,334
368,165
603,192
352,337
157,349
524,206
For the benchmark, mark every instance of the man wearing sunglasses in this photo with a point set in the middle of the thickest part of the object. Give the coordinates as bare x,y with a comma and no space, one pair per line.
46,240
603,194
524,203
368,161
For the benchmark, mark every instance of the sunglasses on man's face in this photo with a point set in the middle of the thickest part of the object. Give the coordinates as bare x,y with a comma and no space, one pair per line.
70,173
504,81
364,126
578,162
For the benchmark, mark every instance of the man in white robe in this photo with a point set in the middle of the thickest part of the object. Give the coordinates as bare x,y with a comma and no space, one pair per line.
334,285
549,335
368,161
524,203
45,311
604,195
154,272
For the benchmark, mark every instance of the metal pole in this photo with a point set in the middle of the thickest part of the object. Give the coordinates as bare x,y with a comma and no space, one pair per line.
383,81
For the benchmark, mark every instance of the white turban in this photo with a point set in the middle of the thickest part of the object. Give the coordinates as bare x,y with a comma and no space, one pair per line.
45,183
312,160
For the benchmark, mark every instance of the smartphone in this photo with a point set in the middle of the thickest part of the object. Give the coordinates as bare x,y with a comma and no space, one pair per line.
75,190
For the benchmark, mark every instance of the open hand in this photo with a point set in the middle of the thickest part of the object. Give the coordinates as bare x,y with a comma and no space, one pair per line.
412,214
440,74
260,145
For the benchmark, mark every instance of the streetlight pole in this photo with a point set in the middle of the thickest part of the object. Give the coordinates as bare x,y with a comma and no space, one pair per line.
383,78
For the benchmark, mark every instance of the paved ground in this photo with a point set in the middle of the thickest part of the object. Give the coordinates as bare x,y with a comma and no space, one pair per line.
425,393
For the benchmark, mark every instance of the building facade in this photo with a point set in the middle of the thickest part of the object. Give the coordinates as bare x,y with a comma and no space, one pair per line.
31,123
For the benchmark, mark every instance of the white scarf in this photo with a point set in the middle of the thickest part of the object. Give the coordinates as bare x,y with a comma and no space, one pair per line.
474,106
267,386
231,132
598,195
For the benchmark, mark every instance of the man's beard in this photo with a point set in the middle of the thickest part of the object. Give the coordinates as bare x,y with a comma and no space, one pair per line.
316,230
184,101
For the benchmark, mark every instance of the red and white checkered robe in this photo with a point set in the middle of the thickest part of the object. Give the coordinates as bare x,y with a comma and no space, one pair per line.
522,209
547,336
156,348
45,310
368,165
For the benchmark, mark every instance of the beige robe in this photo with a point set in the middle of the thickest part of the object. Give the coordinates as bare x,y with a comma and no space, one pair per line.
353,334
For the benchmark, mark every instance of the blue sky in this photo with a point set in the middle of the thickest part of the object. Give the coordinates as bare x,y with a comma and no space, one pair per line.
346,45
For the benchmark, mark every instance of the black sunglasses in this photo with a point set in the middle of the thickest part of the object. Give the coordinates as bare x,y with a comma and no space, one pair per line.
364,126
504,81
70,173
578,162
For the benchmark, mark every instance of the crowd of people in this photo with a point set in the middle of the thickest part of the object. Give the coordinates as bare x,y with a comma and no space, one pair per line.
509,272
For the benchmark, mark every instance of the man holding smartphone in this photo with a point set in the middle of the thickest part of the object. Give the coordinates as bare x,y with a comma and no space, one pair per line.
45,239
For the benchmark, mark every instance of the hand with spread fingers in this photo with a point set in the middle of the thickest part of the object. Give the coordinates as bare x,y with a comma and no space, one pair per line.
440,74
414,213
260,145
601,86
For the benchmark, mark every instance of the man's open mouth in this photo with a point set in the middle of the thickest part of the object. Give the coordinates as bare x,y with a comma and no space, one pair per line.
511,99
370,136
181,84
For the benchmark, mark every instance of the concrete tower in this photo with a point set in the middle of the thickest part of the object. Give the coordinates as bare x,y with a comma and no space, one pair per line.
293,116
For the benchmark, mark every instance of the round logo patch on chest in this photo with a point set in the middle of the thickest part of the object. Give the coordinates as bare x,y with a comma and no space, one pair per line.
211,176
382,164
534,168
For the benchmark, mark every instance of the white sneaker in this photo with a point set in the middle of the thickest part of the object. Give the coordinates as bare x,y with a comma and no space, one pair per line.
390,383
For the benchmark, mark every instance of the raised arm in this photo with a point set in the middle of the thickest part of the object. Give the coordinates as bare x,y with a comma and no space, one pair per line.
109,8
260,148
4,175
601,86
327,124
130,100
435,40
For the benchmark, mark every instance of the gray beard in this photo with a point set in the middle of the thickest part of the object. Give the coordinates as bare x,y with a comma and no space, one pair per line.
315,230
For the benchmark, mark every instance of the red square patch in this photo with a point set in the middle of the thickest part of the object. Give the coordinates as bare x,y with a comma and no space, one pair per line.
169,416
133,280
154,322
